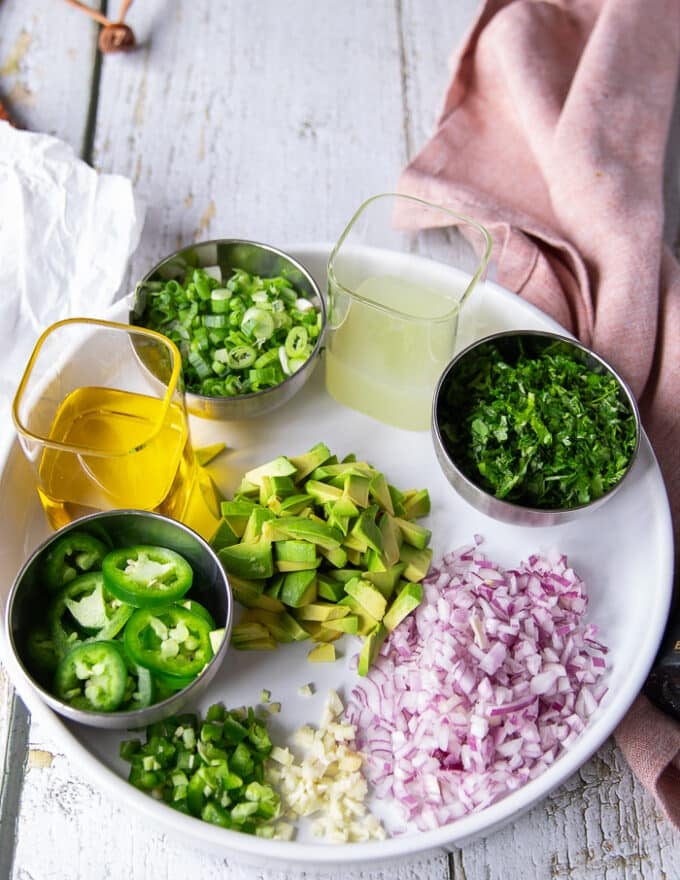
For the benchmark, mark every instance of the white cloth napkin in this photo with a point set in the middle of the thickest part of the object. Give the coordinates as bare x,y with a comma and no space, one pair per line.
66,233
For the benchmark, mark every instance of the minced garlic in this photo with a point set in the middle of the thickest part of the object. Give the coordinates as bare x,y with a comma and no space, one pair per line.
327,784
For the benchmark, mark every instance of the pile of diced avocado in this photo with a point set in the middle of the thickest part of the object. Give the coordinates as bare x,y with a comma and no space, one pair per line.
316,547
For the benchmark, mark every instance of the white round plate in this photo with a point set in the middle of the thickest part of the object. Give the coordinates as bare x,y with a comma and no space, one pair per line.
622,550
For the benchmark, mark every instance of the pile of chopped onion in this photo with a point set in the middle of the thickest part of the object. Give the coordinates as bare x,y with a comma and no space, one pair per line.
481,688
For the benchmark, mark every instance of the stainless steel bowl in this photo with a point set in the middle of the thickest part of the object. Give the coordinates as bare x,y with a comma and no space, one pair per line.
123,528
499,509
257,259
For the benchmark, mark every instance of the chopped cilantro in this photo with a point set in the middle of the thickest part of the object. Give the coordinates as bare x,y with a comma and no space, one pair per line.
536,427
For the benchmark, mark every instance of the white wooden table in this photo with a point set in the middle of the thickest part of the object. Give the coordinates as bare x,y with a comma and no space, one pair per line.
271,121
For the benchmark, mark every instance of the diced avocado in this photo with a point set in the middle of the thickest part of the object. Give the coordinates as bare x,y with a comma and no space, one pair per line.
278,467
285,566
275,487
246,490
253,561
330,471
328,588
415,535
224,536
305,529
417,562
370,648
336,520
366,623
253,529
294,505
304,464
295,551
349,624
205,454
336,556
322,492
410,597
321,611
354,557
237,514
344,574
251,636
368,596
386,581
281,625
416,503
356,542
391,539
356,487
274,585
322,654
250,598
397,500
344,506
380,492
373,561
236,582
319,632
299,588
365,529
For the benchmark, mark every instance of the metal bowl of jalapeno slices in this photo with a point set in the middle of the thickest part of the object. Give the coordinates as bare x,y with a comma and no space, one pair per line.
120,618
247,318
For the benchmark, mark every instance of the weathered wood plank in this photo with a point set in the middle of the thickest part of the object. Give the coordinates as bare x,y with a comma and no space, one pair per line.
275,130
600,824
46,62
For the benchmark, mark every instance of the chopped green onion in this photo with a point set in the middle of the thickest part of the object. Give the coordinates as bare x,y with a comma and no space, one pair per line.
223,328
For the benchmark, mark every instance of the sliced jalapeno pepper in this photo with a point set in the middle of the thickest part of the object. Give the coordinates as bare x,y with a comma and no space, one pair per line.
84,609
42,653
146,576
169,640
70,556
140,690
92,676
166,685
199,610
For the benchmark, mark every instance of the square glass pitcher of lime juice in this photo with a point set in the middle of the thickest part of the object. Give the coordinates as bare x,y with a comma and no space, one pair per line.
397,280
100,415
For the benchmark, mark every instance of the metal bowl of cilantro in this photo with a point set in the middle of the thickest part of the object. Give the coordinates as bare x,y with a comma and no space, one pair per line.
533,428
247,318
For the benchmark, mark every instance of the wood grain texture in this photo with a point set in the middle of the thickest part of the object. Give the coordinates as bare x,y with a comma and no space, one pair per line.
273,121
46,60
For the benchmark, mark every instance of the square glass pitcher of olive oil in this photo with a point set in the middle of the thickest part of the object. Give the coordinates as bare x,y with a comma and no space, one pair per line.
100,415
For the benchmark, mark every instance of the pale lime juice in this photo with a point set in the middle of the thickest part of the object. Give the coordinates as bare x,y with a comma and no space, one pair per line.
389,343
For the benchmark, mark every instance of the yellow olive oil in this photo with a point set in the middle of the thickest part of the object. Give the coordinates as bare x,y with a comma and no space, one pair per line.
127,451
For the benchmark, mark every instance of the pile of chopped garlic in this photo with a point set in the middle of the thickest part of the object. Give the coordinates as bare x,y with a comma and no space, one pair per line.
327,784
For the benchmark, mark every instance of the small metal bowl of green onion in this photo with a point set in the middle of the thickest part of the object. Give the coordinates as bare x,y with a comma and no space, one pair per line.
533,428
119,619
248,320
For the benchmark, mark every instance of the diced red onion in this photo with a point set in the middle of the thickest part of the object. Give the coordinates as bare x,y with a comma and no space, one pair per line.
481,688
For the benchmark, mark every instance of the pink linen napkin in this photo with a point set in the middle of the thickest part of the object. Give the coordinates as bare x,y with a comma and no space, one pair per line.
553,135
